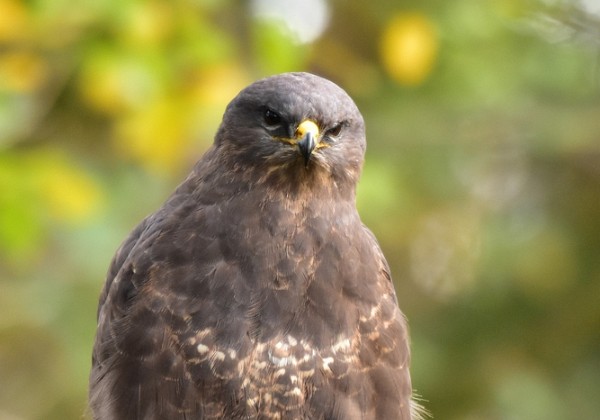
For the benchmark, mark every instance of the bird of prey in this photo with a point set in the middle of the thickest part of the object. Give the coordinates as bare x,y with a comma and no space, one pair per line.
255,291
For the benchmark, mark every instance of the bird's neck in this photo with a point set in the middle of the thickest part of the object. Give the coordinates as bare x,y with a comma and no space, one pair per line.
292,181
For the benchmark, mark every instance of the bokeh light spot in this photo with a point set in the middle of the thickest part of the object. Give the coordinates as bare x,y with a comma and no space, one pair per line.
307,20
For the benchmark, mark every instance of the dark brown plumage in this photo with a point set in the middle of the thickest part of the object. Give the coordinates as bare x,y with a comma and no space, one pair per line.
256,291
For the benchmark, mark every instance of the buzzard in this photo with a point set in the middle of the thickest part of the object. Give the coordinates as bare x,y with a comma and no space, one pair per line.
255,291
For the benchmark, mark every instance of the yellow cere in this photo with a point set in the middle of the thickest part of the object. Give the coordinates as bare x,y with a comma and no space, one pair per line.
305,127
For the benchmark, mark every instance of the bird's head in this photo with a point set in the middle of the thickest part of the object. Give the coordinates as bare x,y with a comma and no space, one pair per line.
292,125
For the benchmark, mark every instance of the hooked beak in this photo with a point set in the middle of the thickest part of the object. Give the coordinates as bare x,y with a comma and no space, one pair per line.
307,135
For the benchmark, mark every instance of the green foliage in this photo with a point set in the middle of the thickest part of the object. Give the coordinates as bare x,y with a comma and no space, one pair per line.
482,179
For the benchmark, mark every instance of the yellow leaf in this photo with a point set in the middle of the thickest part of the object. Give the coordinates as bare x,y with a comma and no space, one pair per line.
408,48
21,71
216,85
147,23
157,136
113,82
70,194
13,20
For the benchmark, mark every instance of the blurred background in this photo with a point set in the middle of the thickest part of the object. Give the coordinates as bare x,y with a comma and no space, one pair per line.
482,179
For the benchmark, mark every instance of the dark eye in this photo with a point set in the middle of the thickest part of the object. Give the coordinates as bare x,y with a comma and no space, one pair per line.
272,117
335,130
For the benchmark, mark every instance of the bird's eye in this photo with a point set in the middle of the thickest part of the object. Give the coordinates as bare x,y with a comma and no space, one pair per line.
272,117
335,130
